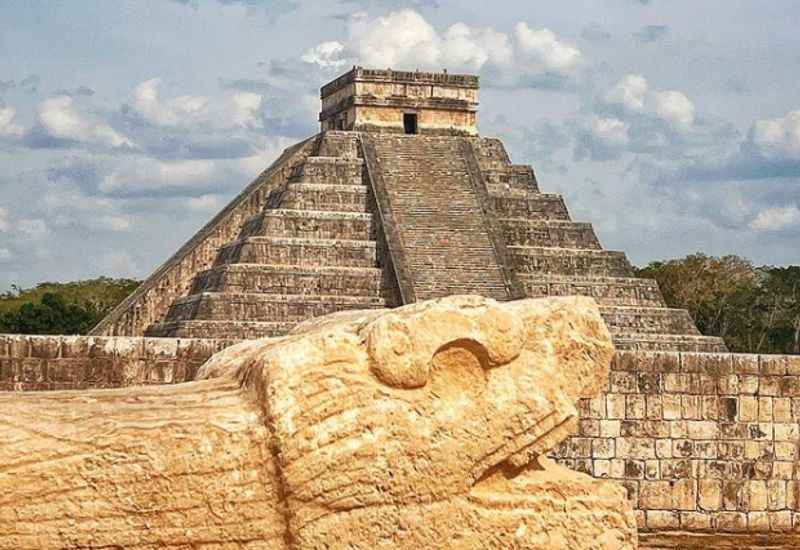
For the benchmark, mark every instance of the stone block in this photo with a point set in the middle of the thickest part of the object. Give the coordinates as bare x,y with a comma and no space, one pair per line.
770,386
702,429
695,521
682,448
782,409
793,365
684,494
756,495
733,495
773,365
711,363
745,363
776,494
765,409
678,468
636,448
728,384
615,405
589,427
671,404
616,468
623,382
690,407
655,495
677,429
634,406
785,450
780,521
652,469
654,407
748,408
709,494
748,384
786,431
664,448
676,382
660,520
789,386
709,407
603,448
760,431
648,382
757,521
728,409
729,521
601,468
784,469
610,428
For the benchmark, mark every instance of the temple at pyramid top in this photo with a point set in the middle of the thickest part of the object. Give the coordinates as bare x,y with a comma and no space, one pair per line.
405,102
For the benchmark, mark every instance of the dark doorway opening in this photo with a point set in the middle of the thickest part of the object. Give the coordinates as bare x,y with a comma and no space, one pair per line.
410,123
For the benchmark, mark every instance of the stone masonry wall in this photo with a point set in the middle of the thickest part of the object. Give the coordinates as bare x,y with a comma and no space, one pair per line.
36,363
703,442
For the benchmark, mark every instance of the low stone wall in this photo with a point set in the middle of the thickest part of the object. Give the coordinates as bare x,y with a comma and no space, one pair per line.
35,363
703,442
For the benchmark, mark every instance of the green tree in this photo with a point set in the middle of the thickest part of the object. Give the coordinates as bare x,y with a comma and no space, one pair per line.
754,309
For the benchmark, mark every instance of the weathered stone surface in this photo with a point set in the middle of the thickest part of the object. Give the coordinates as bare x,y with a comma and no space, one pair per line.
420,427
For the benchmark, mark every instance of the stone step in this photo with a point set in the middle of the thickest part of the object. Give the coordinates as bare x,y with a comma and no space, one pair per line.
611,291
551,233
491,153
543,206
669,342
327,197
330,170
234,330
338,143
654,320
568,261
514,177
246,306
290,279
298,251
312,224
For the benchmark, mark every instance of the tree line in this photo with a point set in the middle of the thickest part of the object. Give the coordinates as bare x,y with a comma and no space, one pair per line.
61,308
755,309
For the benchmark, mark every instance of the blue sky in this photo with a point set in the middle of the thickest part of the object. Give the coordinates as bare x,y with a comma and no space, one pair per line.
673,126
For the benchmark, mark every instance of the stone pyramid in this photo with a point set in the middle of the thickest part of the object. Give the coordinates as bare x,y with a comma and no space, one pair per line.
396,200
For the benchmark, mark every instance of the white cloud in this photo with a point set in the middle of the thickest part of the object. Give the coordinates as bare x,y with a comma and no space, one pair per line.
776,219
675,108
5,255
233,110
4,223
672,106
328,55
778,137
7,125
543,47
405,40
611,131
60,119
630,91
137,174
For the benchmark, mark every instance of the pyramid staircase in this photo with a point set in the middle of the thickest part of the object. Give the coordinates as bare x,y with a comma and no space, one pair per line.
452,212
314,249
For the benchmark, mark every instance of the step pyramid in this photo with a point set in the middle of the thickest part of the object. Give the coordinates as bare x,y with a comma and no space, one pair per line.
396,200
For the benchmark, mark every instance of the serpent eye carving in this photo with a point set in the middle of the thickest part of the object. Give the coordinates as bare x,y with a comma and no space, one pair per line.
402,358
393,359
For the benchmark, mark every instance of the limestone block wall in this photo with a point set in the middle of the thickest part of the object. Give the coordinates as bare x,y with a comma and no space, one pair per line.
36,363
702,441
